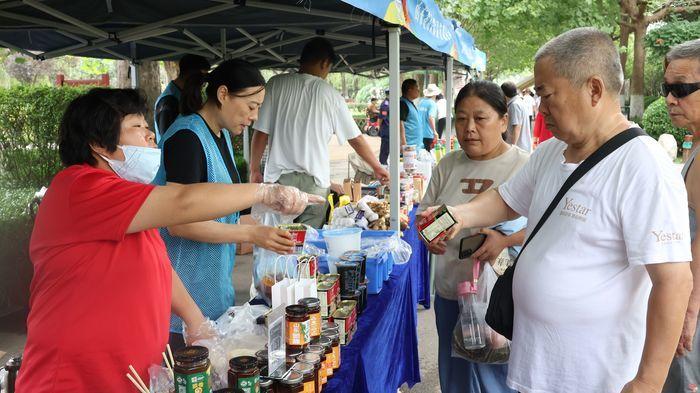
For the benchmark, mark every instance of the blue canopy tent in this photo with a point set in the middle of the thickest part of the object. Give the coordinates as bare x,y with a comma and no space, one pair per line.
367,34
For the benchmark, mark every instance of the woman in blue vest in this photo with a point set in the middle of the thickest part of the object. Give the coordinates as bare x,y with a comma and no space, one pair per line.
197,149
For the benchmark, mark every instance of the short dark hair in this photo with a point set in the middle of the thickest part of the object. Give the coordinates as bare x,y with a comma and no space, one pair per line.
235,74
509,89
189,64
407,84
95,118
439,97
373,99
318,49
489,92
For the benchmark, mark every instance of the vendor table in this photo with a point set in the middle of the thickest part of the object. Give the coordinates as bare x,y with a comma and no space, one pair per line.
383,354
419,263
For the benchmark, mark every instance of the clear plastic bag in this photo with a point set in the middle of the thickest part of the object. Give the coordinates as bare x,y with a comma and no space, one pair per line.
160,379
238,334
399,249
497,348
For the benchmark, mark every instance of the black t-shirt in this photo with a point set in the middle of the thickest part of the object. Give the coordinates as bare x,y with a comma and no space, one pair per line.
184,159
167,110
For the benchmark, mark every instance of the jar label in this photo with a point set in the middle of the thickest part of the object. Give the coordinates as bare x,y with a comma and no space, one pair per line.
298,333
249,384
336,356
309,387
323,374
329,365
193,383
315,324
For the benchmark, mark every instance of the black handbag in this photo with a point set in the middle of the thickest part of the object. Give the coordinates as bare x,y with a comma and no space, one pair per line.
499,315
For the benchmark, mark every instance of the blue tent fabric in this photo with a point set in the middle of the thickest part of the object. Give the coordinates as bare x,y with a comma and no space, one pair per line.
425,20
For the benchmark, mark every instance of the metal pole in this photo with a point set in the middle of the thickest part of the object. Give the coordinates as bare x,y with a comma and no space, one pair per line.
394,130
449,80
133,68
246,144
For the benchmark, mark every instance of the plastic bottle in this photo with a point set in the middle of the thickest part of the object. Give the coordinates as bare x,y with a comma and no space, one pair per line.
472,312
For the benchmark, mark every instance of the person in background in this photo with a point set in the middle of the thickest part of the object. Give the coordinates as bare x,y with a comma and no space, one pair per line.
519,132
540,133
167,106
441,114
103,288
384,129
682,89
428,111
372,111
197,149
601,290
411,125
301,113
484,162
530,107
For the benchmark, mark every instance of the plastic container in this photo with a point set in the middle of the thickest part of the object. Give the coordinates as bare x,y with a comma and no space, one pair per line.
340,241
375,275
471,317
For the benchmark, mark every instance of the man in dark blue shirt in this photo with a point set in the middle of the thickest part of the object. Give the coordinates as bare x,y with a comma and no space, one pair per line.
384,129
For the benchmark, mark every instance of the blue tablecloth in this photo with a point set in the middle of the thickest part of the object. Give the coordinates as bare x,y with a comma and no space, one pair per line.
419,263
383,354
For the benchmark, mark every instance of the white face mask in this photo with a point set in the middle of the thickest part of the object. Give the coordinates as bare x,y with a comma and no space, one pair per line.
140,164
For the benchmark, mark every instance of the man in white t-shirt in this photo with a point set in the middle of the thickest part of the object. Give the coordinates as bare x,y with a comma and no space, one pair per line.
601,290
519,132
300,114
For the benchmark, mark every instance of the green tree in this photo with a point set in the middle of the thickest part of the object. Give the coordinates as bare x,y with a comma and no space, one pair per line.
638,15
511,31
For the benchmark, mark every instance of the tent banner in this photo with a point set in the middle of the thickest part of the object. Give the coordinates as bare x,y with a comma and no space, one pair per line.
424,19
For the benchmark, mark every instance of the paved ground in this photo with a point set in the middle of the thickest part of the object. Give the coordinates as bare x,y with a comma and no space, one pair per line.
13,331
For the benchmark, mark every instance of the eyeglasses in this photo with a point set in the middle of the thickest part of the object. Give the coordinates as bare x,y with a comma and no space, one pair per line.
679,90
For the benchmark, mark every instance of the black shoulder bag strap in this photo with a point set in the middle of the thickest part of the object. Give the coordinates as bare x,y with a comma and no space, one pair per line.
499,314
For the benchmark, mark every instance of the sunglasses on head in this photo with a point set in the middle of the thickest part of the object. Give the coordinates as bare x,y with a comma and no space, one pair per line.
679,90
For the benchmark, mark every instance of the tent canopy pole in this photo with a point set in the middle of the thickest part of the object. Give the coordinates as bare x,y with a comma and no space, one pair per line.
395,137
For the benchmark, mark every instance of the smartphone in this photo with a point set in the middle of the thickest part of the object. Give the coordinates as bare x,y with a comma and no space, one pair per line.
469,245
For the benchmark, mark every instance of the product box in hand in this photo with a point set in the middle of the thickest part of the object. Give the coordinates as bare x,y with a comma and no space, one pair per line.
437,225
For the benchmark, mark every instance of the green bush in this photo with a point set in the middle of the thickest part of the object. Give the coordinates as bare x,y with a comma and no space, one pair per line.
29,119
656,122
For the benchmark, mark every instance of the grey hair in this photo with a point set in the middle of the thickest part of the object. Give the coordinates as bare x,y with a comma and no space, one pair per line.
581,53
686,50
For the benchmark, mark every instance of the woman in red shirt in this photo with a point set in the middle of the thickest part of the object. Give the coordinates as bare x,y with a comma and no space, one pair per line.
103,287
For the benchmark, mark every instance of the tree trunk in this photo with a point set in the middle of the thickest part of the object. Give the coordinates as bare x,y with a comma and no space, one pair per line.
637,86
149,84
171,69
624,43
355,85
344,84
122,80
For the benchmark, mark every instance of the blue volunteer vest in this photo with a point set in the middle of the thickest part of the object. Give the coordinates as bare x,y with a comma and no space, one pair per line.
413,125
428,108
170,90
204,268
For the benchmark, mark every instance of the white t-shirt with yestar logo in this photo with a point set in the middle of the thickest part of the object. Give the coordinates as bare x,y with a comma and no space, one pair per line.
580,287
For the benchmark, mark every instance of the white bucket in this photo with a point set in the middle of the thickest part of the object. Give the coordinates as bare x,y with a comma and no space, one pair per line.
339,241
